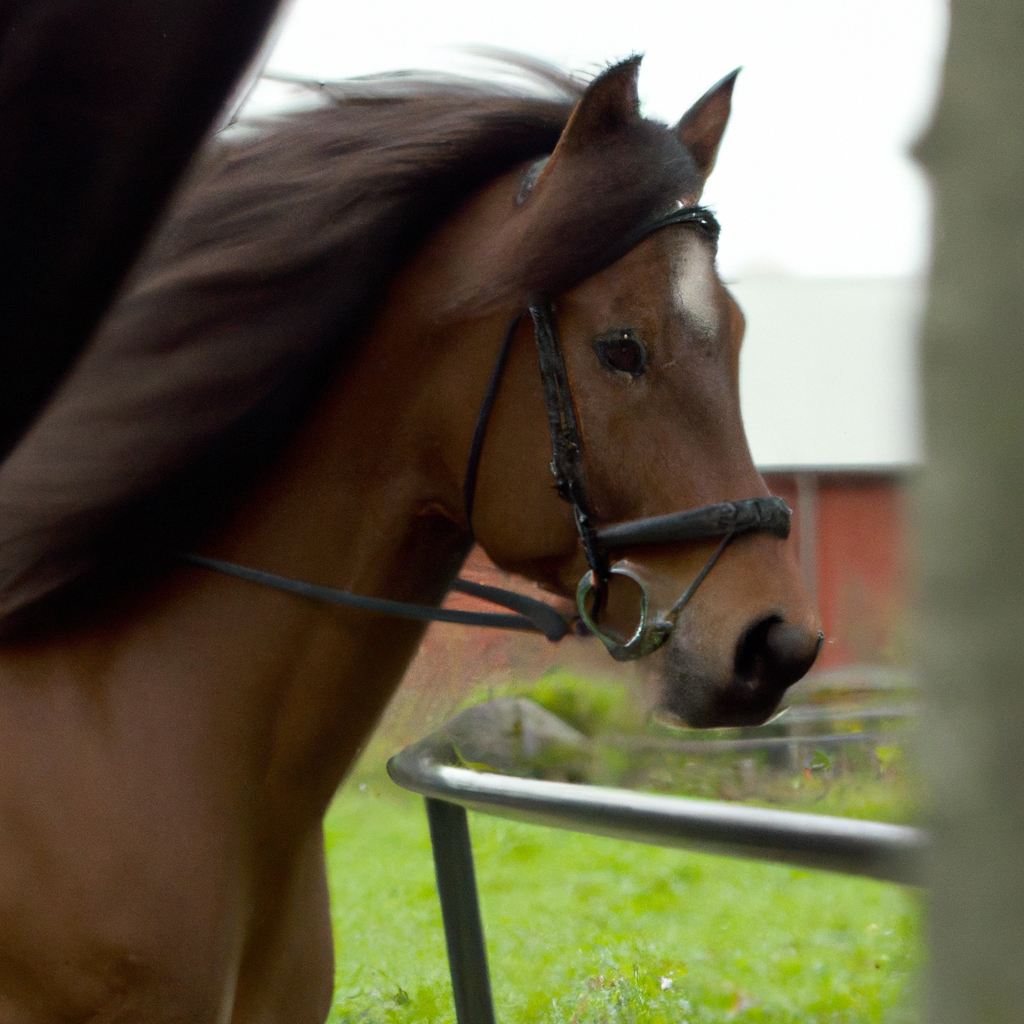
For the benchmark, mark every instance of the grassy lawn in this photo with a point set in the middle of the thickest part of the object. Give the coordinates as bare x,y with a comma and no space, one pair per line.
583,930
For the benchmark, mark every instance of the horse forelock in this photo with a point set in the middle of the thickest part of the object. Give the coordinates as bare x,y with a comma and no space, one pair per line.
566,234
265,274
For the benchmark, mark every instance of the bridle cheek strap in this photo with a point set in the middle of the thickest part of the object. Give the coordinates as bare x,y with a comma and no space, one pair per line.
566,442
483,417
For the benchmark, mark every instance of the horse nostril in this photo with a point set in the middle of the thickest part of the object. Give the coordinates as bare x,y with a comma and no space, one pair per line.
793,645
776,655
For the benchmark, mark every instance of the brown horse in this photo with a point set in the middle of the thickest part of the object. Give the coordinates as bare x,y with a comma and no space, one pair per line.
290,381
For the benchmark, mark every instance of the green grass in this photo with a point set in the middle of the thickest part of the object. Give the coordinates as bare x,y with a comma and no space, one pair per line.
583,930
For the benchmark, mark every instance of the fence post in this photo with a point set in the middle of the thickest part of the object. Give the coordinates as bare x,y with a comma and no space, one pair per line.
460,908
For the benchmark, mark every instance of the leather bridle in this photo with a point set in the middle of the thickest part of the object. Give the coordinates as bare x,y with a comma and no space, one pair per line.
725,521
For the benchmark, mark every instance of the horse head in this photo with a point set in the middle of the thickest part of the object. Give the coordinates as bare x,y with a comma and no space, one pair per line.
607,233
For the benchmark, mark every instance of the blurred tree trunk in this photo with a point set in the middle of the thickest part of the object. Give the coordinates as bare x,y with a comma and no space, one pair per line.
971,516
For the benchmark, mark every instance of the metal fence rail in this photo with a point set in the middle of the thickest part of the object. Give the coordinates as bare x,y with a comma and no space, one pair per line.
891,853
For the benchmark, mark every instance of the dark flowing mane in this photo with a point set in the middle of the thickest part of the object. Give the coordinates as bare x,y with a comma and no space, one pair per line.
265,274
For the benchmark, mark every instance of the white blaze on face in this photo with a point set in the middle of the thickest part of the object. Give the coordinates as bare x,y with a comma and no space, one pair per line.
694,284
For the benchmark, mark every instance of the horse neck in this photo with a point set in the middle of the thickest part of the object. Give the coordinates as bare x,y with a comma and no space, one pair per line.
365,497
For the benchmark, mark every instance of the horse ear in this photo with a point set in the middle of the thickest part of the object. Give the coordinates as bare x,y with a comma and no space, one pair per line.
701,128
610,104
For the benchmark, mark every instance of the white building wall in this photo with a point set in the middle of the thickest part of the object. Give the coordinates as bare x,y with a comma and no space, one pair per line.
828,374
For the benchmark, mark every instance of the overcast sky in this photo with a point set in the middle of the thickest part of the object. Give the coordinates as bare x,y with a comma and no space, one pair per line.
813,178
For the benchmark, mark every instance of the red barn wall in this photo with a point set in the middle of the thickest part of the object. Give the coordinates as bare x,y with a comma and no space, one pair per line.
850,530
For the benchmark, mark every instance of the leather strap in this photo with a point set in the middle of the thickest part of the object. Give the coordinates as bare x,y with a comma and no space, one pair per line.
699,216
751,515
536,615
483,417
566,443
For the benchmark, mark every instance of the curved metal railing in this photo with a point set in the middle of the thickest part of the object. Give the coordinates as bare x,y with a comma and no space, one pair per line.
892,853
889,853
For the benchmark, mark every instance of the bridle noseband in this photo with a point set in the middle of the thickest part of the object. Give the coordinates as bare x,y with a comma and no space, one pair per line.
725,521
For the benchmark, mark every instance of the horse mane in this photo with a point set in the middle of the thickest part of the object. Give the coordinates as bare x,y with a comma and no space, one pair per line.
261,280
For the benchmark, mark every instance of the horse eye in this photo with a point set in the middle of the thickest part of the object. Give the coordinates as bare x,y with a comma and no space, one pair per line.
621,350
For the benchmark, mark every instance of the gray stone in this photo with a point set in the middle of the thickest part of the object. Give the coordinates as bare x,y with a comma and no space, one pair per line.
516,736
